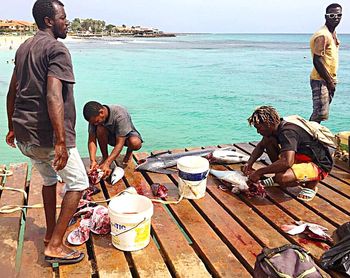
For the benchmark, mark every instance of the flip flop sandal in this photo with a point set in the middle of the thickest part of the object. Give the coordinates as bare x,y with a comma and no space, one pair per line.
307,194
66,259
268,182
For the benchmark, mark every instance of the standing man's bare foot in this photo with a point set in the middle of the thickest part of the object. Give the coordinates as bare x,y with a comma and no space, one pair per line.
62,255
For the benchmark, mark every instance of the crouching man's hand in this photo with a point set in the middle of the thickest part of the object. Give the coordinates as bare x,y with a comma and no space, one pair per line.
104,167
254,176
247,169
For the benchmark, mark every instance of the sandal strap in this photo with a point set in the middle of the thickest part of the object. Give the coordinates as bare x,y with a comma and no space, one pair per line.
268,182
307,192
70,254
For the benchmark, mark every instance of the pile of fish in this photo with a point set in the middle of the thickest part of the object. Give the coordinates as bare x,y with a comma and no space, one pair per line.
159,190
256,189
159,162
94,219
311,230
91,190
237,182
96,175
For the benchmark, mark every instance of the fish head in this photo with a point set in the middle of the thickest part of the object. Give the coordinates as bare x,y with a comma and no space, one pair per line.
150,165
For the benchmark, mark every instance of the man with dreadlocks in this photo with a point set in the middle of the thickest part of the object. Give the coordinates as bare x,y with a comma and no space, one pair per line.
296,158
41,116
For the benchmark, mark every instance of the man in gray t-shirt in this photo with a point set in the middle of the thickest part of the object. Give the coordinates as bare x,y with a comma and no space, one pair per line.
110,125
41,119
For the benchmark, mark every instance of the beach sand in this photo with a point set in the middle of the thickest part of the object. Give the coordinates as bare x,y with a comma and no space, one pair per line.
7,42
13,42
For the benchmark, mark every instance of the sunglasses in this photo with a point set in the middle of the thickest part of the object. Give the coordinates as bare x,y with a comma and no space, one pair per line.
332,15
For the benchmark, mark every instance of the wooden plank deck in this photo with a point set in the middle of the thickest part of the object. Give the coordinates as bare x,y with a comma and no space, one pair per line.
216,236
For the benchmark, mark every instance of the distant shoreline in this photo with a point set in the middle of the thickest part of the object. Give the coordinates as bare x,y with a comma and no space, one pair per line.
8,42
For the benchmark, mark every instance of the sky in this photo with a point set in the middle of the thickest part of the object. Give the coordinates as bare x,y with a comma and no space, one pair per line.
212,16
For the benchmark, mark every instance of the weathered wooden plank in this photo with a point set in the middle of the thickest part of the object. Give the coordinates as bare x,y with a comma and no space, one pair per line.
249,219
338,200
10,223
341,174
181,258
217,256
81,269
277,217
33,263
226,226
295,208
342,165
246,216
147,262
110,262
298,209
324,208
337,185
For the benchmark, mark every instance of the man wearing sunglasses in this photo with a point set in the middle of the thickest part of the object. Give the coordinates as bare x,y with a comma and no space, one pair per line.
324,46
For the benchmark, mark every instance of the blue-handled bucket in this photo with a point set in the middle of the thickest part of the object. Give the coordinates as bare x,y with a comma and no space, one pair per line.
193,172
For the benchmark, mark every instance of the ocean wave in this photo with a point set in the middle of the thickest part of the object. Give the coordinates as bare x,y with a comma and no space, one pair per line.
116,42
146,42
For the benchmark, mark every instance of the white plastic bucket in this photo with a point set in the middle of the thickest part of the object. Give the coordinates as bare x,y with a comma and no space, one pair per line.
193,172
130,216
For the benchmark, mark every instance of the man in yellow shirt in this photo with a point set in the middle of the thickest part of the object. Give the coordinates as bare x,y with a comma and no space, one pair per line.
324,46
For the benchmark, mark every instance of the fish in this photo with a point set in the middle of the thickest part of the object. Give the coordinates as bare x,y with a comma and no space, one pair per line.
95,176
229,156
239,183
159,162
312,230
116,175
159,190
235,178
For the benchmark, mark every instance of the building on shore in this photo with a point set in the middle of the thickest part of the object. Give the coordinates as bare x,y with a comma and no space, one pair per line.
84,28
17,26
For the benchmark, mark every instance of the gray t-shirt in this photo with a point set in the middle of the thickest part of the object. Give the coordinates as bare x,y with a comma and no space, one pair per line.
36,59
118,123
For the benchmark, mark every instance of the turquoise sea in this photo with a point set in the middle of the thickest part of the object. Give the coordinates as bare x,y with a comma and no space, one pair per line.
192,90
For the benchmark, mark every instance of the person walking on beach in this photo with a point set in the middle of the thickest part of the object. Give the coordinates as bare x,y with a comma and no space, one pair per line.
41,117
324,46
297,159
110,125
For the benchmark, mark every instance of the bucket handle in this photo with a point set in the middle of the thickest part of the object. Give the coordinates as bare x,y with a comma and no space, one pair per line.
123,232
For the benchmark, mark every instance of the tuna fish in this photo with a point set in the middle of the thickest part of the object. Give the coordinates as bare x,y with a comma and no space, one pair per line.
229,156
116,175
159,162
